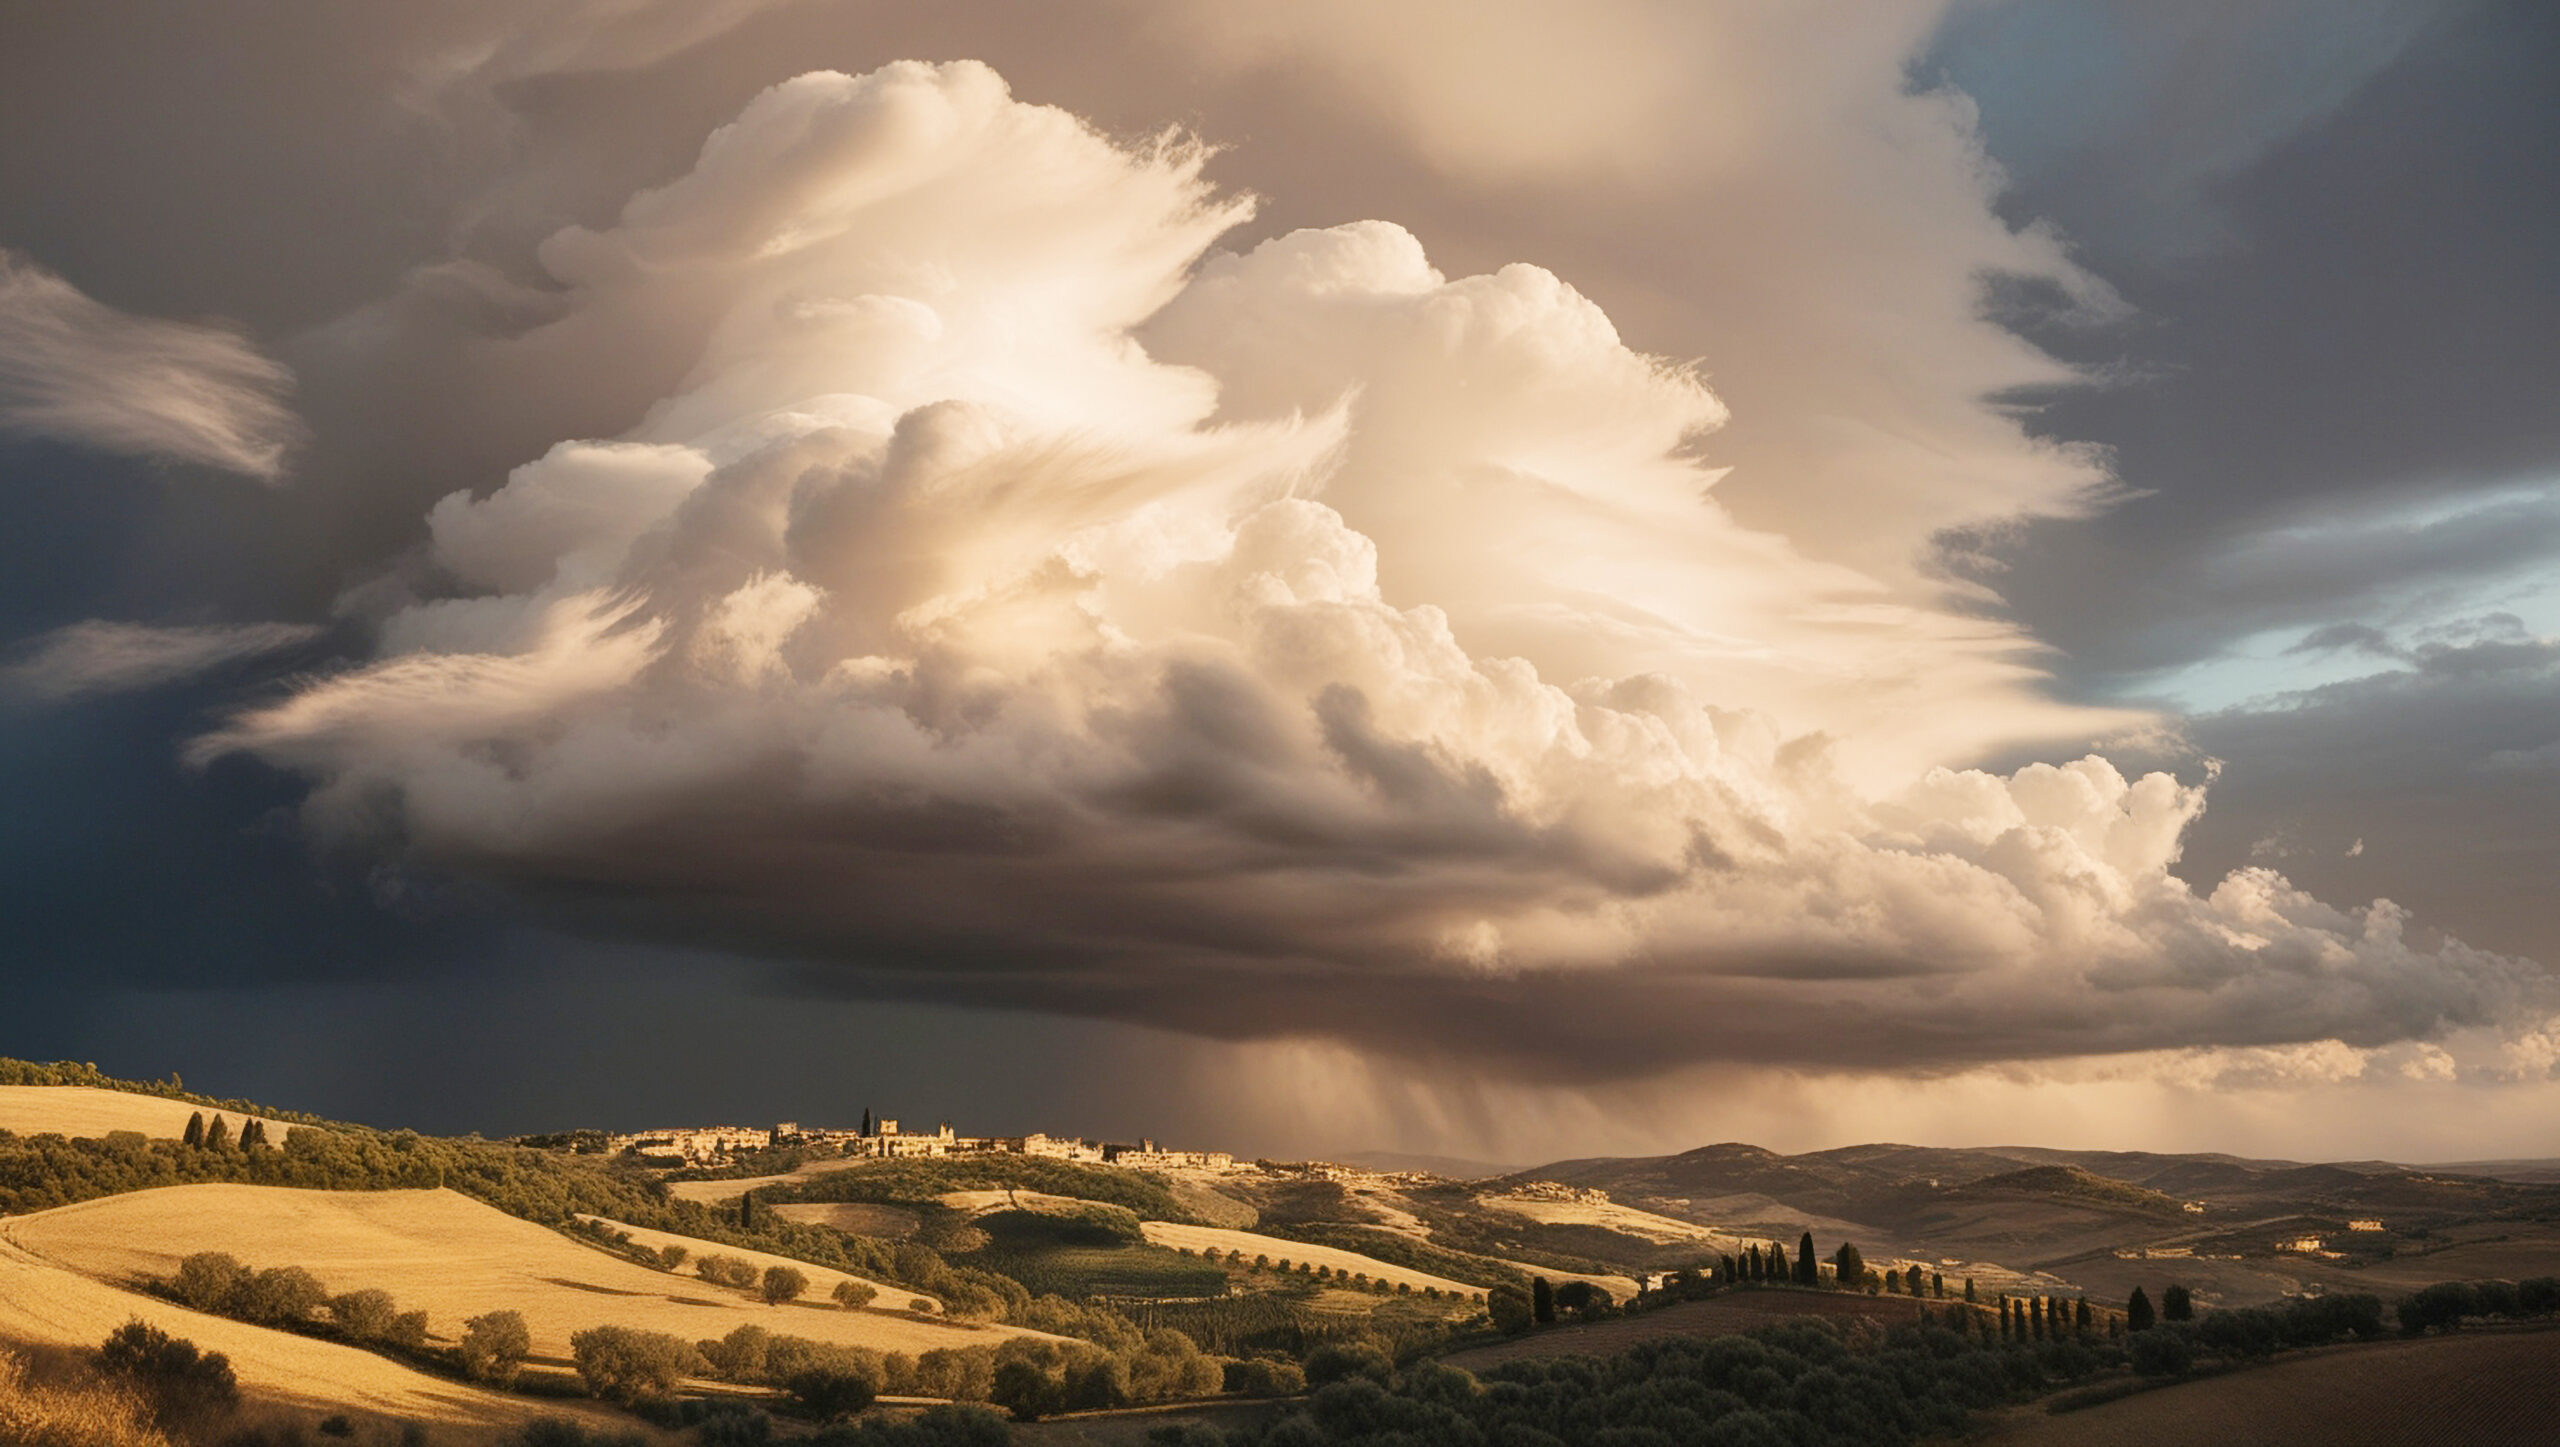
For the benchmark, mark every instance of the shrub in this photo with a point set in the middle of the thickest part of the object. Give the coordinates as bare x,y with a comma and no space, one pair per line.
365,1315
336,1424
179,1382
1583,1298
494,1345
1511,1308
2443,1305
2160,1352
854,1295
209,1281
739,1356
279,1296
829,1392
784,1283
1340,1362
1023,1389
408,1329
628,1366
726,1271
671,1256
1262,1377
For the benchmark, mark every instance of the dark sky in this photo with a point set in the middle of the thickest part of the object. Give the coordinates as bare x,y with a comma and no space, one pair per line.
2169,380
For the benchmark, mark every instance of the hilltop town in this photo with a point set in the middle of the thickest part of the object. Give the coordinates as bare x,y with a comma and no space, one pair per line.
712,1146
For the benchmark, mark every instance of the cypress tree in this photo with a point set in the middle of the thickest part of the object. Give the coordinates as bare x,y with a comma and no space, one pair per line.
253,1134
1542,1301
1968,1290
1893,1283
2006,1330
1807,1273
2035,1316
2080,1317
866,1120
195,1129
1852,1267
1730,1275
217,1134
2176,1305
2137,1311
1938,1285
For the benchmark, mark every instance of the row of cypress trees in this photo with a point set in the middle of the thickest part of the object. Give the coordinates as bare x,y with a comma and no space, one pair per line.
216,1134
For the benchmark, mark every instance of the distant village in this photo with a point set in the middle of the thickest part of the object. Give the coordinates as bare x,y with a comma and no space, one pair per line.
717,1145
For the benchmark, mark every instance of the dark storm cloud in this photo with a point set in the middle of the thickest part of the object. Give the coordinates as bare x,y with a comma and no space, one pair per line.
2369,333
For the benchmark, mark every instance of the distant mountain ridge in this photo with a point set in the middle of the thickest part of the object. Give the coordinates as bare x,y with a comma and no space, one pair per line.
2029,1202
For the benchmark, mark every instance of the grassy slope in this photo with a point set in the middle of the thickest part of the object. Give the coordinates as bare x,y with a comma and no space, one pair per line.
89,1111
47,1303
444,1253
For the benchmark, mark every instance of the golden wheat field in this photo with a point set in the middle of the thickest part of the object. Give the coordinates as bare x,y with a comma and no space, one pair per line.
86,1111
1202,1238
45,1302
451,1256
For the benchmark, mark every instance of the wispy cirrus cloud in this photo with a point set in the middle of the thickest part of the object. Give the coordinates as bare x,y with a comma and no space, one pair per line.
77,370
97,657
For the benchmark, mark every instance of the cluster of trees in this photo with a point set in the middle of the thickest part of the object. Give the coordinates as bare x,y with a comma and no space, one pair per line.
2041,1318
1758,1266
730,1424
292,1298
1800,1382
1030,1377
215,1135
2443,1306
1342,1277
74,1072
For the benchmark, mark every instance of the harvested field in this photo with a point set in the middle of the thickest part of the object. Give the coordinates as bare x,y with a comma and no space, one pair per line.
1718,1316
1202,1238
449,1255
714,1192
1609,1216
45,1303
85,1111
979,1203
854,1218
2478,1389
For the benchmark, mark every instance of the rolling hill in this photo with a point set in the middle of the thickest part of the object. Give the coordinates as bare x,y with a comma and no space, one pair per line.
447,1254
84,1111
47,1303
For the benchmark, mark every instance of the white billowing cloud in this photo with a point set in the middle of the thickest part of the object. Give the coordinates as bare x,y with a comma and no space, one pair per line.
100,657
1770,181
75,369
1018,604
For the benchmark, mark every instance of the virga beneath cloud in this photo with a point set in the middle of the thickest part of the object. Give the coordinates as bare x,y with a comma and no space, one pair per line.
1020,604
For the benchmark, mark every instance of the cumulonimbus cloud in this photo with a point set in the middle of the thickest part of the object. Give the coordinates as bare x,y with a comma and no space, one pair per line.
1021,604
78,370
